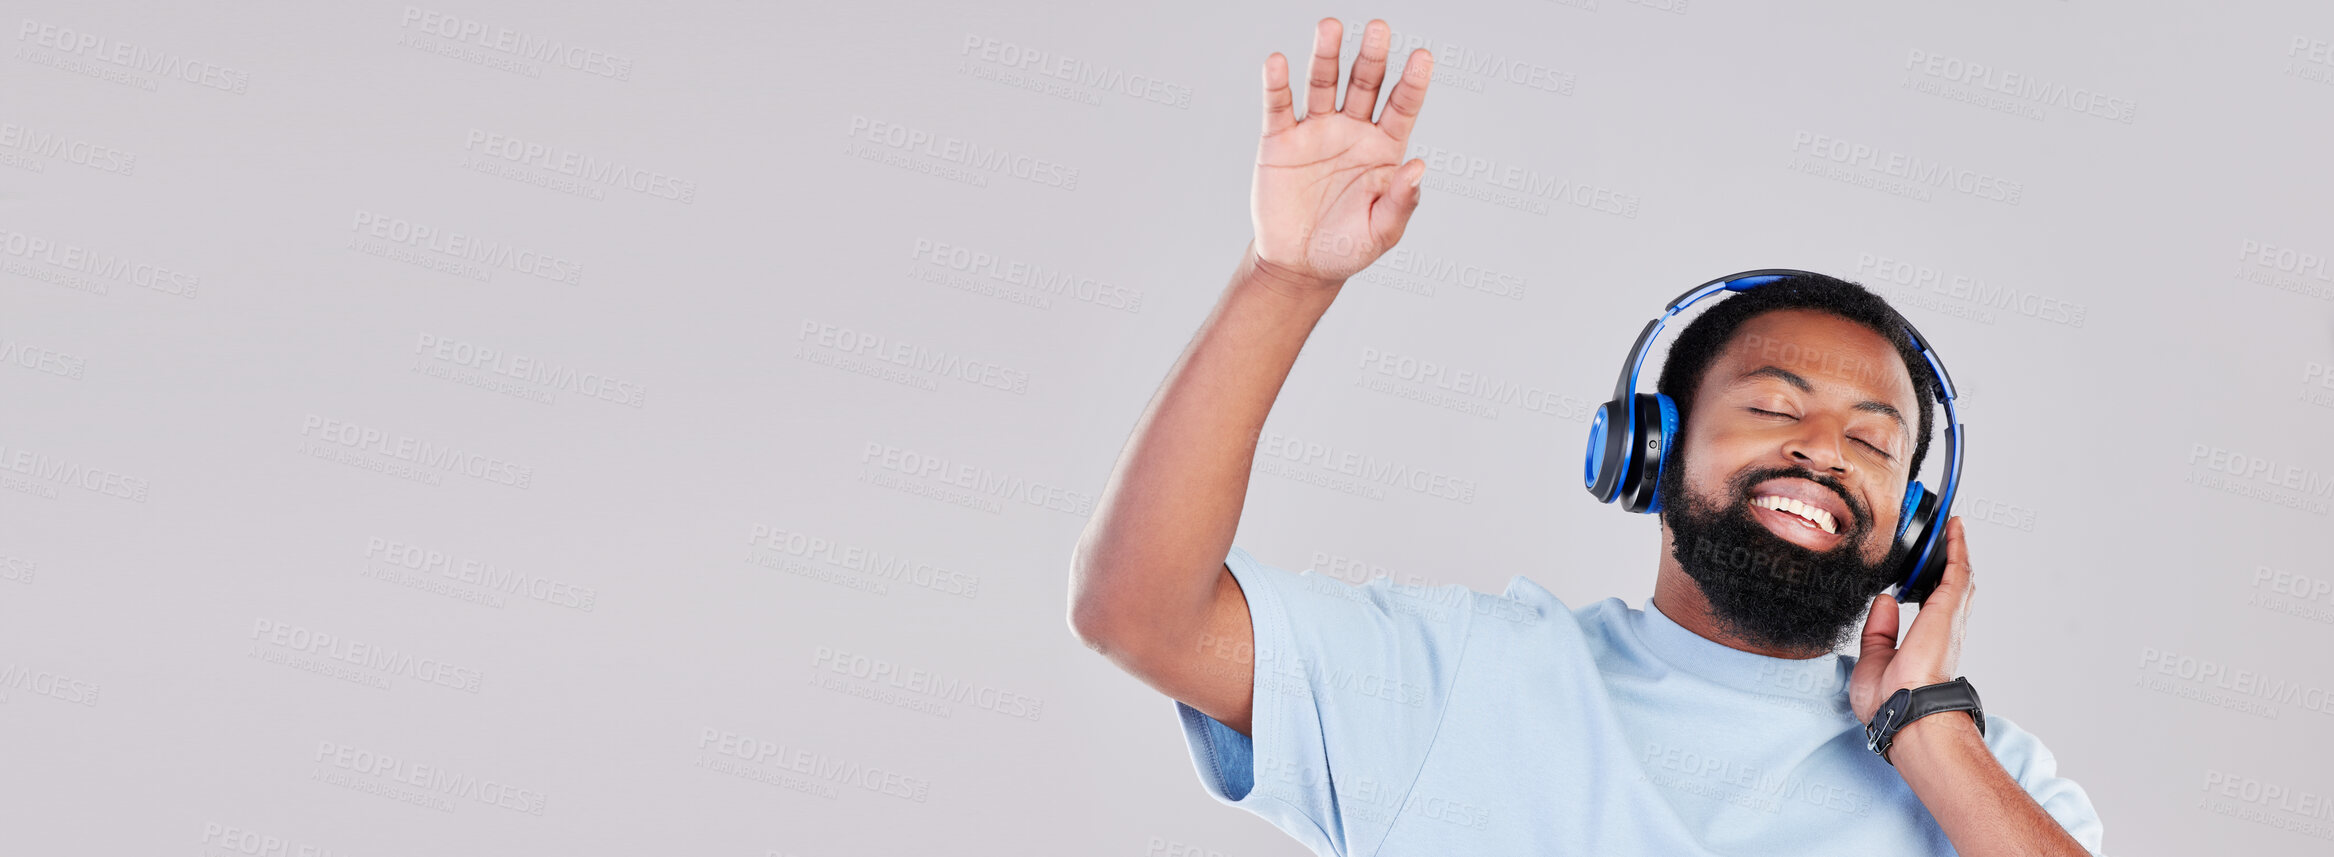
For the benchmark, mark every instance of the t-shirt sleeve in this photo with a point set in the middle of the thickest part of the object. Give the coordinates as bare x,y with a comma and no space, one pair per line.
1351,683
2033,766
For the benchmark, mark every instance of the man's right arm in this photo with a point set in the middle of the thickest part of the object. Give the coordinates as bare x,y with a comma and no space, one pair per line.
1148,586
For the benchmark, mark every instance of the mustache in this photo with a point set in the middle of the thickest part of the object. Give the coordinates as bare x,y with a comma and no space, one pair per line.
1744,482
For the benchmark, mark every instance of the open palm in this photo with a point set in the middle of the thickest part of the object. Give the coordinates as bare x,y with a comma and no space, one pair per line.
1331,191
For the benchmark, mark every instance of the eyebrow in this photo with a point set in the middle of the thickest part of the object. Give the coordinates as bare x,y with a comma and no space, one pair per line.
1792,378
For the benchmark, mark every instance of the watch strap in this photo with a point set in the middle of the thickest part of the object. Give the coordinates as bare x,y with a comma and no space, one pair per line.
1913,703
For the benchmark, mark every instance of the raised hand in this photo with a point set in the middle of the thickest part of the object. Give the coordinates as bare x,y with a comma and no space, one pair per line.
1931,651
1331,191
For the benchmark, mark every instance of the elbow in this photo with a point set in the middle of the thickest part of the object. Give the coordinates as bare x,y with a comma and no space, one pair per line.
1089,619
1098,614
1084,617
1086,627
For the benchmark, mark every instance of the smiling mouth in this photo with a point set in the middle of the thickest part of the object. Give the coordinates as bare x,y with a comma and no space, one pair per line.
1796,530
1807,515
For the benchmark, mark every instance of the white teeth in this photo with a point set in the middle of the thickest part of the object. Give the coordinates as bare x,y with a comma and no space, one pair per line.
1819,517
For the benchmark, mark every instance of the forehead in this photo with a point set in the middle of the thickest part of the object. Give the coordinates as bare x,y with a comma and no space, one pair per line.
1834,354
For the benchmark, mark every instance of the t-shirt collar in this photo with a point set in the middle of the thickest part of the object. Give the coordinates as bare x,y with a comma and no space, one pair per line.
1821,677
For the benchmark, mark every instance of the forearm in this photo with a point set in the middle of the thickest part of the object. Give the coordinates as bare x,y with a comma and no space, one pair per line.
1982,810
1155,545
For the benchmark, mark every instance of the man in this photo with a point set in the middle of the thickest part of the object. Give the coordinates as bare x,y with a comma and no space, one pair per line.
1389,719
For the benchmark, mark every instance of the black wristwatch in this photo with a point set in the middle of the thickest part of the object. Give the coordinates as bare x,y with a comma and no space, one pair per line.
1913,703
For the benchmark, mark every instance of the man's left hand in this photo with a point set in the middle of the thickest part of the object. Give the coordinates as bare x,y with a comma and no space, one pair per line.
1931,650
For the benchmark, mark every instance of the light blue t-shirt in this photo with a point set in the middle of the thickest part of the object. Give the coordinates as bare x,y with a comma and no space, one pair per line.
1399,720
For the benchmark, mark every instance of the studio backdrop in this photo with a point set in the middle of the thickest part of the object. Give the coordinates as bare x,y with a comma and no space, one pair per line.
478,427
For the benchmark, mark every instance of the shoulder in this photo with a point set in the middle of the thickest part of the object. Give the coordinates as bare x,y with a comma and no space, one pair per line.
2036,769
1310,604
2020,752
1528,617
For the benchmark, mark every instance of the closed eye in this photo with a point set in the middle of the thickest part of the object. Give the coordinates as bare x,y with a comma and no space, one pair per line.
1867,445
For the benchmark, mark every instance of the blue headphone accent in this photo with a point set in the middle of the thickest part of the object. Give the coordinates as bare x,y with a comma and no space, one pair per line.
1912,498
1669,429
1630,437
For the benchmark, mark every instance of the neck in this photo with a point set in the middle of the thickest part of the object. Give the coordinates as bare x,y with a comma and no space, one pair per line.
1678,597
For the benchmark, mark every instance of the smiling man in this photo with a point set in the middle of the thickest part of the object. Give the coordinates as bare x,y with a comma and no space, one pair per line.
1761,480
1719,717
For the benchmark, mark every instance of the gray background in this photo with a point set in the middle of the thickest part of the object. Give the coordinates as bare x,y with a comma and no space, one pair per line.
208,644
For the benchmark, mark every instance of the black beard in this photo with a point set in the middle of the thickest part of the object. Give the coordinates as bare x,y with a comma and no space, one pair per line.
1763,588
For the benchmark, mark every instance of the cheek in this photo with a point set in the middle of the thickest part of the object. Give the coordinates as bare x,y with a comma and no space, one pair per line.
1717,456
1883,535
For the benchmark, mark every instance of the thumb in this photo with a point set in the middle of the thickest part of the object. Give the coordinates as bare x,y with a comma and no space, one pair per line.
1391,215
1879,641
1877,648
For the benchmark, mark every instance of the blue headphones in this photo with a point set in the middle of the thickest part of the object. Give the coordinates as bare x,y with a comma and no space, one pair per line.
1628,444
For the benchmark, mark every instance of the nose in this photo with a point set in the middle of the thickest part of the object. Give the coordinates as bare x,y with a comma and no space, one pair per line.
1818,445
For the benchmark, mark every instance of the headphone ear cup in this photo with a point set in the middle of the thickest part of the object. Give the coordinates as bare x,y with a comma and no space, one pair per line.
1660,452
1919,535
1657,423
1607,458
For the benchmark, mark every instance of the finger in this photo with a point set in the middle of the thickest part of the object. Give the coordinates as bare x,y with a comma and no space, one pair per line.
1369,70
1945,613
1279,103
1956,574
1879,640
1321,82
1409,95
1877,649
